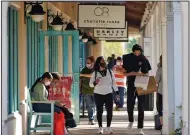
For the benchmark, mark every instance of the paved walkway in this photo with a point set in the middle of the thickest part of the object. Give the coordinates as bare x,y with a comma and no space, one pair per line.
119,124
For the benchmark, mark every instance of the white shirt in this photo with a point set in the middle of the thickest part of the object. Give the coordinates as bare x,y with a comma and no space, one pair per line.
105,85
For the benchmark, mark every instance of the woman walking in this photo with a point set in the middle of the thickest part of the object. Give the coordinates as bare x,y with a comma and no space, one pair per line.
104,82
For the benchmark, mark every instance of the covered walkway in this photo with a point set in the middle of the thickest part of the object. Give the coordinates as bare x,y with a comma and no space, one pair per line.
33,44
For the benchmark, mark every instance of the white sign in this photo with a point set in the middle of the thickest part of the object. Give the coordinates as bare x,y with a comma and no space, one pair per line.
111,33
107,39
101,16
147,46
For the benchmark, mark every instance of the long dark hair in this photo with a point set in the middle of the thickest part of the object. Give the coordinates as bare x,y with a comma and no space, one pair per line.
45,75
97,63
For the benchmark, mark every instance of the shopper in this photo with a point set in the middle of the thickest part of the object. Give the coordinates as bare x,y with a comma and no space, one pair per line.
160,91
135,62
120,82
87,91
103,80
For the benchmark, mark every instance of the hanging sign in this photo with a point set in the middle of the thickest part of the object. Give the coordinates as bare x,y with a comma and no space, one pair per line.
101,16
62,91
111,33
147,46
107,39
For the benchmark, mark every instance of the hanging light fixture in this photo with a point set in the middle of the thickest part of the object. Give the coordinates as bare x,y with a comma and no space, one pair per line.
90,40
57,22
37,13
70,26
85,38
94,42
80,34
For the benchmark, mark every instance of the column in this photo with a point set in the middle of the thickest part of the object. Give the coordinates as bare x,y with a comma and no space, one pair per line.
98,49
186,58
60,54
178,70
4,67
168,70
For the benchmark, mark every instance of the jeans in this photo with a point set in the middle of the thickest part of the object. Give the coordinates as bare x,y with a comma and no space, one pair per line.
100,100
90,105
120,103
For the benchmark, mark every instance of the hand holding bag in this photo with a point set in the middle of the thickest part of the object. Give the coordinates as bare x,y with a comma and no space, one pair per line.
141,82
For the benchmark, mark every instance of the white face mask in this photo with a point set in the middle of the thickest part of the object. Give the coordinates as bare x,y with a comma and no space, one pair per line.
119,63
88,65
47,83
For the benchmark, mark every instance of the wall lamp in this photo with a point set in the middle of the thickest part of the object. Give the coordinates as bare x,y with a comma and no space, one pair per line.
57,22
85,38
37,13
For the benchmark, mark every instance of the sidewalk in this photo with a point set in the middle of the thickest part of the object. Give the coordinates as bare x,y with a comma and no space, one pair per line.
119,125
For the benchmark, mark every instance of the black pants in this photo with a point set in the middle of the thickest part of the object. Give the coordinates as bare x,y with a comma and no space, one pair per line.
131,97
159,104
100,100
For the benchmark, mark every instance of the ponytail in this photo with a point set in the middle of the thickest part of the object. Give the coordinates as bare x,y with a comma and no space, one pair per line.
37,81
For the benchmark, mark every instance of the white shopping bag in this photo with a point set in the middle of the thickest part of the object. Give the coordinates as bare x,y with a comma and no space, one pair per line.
142,82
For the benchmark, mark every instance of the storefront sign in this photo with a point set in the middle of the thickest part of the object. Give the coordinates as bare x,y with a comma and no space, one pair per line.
107,39
147,46
101,16
62,91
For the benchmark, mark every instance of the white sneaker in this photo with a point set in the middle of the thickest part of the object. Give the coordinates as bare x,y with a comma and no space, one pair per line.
91,122
140,131
109,130
100,131
130,126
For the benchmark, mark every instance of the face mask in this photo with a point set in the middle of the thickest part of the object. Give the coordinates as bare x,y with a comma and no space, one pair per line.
118,63
88,65
47,83
103,65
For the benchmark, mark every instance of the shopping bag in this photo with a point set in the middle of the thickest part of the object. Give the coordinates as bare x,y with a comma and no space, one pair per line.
59,123
157,122
152,87
141,82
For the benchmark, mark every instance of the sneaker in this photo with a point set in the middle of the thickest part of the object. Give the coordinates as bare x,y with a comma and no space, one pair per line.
109,130
91,122
140,131
100,130
130,126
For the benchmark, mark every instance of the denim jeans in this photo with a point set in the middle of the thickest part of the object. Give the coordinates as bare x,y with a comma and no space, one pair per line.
90,105
120,102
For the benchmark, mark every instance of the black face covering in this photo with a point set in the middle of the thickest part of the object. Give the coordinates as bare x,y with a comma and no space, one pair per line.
103,65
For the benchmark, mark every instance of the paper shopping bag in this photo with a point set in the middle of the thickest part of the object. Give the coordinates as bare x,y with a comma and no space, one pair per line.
152,87
141,82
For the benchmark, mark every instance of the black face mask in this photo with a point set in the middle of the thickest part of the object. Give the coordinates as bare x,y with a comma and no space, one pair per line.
103,65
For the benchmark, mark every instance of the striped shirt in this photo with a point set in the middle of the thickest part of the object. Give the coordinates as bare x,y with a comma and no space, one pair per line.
120,79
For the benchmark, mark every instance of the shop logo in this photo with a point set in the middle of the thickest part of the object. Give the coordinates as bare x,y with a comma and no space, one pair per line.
101,11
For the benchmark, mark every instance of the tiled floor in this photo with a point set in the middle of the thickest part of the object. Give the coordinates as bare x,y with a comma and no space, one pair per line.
119,125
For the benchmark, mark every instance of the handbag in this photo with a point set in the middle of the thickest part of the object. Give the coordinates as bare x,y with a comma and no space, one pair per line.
141,82
157,122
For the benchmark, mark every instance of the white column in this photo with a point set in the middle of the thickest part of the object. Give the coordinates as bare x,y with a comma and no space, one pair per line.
168,59
178,70
184,7
4,66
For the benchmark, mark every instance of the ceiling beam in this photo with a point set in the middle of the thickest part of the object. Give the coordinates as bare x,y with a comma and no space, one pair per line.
134,11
